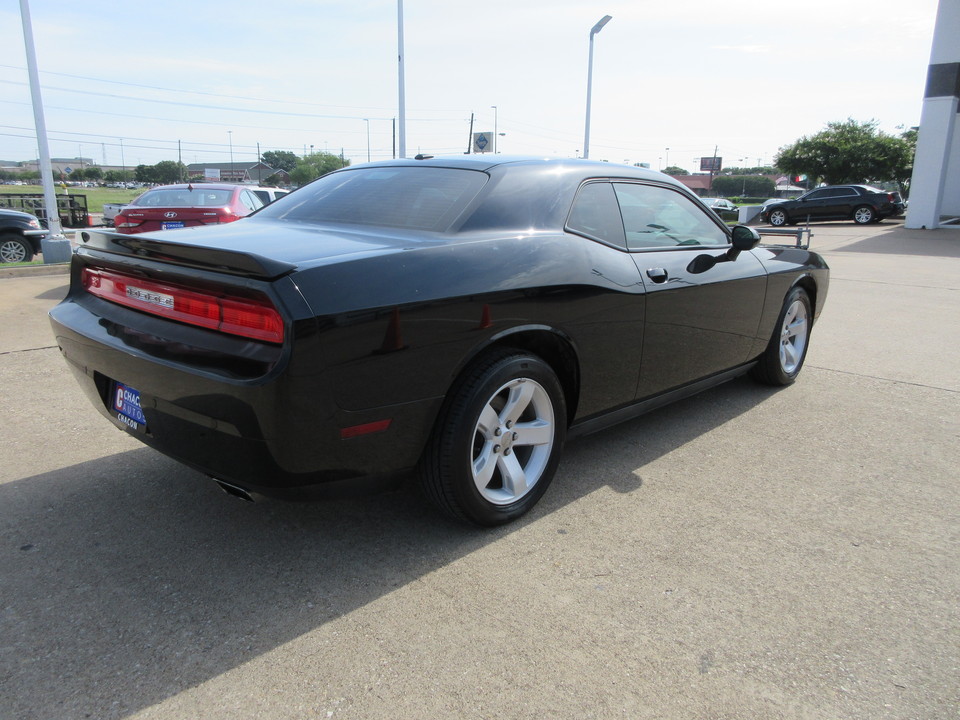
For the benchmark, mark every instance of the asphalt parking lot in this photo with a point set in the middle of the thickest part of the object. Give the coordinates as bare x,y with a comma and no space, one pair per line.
747,553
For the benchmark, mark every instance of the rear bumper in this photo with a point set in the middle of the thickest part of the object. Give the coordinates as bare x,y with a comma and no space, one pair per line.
278,433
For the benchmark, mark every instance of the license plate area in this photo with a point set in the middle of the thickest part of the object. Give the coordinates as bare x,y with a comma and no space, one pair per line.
124,405
171,225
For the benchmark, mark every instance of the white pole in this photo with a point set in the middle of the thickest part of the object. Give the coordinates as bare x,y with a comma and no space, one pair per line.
403,113
46,168
586,132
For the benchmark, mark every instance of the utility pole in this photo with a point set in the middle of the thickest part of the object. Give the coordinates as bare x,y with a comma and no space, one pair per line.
470,137
713,165
53,244
401,92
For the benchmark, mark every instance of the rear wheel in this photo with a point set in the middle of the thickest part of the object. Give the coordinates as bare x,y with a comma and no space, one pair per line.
497,443
782,360
864,215
14,249
778,217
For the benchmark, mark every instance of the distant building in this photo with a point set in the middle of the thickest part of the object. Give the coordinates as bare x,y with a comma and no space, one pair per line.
59,165
700,184
238,172
935,186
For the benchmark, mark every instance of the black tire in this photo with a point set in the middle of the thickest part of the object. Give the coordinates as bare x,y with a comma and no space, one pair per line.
489,461
783,359
864,215
14,249
778,217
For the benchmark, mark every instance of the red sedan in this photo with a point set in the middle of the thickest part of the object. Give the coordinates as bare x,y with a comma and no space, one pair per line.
178,206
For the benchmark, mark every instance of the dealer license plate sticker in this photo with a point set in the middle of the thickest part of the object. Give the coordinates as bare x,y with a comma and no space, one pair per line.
126,407
171,225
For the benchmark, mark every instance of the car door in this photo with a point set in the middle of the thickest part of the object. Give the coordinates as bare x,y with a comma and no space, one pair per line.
700,320
841,203
815,205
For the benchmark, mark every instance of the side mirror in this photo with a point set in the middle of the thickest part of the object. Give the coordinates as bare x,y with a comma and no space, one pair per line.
745,238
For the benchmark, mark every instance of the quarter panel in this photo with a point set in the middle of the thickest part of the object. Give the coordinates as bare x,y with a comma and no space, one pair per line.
397,329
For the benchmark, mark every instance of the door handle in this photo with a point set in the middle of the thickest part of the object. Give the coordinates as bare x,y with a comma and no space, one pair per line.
658,275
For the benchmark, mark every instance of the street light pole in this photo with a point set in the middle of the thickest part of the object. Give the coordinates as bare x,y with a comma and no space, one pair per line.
400,82
367,121
586,133
230,136
494,129
46,167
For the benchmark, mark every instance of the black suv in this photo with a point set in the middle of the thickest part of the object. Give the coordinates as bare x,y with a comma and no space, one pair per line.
20,235
861,203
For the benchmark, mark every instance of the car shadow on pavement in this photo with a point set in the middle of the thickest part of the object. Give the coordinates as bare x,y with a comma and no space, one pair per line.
57,294
897,240
129,579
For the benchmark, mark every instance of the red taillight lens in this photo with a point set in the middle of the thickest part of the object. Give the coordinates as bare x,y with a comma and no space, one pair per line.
247,317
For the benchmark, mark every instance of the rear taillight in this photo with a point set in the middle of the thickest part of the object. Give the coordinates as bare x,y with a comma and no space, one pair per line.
248,317
127,223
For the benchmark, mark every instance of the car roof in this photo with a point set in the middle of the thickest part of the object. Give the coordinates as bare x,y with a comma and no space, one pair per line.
198,185
487,162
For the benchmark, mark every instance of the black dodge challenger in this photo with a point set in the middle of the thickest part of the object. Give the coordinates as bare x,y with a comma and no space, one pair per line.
461,317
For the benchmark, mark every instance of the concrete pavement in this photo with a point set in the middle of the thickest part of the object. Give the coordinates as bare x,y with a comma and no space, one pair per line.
746,553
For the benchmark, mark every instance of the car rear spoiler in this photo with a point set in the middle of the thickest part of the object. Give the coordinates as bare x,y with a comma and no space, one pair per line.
196,256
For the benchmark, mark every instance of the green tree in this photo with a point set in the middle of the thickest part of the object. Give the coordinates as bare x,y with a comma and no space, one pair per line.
169,171
848,152
316,165
743,185
94,173
113,176
674,170
145,174
280,159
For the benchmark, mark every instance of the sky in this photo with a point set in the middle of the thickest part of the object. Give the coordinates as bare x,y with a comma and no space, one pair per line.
124,83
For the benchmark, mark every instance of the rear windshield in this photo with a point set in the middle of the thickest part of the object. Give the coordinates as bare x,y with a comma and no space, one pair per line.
414,198
172,197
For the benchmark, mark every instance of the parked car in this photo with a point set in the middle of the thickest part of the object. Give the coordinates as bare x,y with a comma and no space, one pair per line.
458,316
861,203
170,207
110,212
20,236
268,194
722,207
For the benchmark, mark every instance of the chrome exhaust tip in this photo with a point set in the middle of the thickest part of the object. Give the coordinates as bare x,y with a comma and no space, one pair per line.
233,490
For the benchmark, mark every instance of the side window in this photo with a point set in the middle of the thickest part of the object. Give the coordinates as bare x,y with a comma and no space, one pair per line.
595,214
845,192
656,216
250,200
818,195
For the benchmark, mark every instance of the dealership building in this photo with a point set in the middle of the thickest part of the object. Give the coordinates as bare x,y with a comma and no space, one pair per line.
935,186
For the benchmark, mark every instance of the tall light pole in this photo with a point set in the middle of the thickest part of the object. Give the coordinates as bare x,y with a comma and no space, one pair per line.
230,135
593,31
494,129
367,121
668,158
46,168
402,108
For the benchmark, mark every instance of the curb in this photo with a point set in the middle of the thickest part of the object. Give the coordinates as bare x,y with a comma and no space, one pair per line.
35,270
